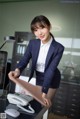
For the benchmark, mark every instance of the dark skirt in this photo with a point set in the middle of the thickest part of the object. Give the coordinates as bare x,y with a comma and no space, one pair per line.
54,82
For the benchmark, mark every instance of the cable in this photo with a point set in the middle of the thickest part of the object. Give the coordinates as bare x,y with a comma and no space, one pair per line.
26,110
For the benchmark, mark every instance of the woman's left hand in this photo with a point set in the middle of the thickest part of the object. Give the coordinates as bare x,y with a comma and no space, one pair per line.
46,100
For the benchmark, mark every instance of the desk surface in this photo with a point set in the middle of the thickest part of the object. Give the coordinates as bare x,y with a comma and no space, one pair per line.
35,105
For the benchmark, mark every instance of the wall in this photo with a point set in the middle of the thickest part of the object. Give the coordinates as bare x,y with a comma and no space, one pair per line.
16,16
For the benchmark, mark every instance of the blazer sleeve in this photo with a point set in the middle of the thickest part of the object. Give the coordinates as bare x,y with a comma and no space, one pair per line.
25,59
49,73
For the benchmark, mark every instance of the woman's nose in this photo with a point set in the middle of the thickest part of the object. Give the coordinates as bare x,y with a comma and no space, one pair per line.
39,32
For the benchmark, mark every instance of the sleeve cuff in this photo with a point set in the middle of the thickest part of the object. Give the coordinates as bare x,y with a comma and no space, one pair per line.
45,89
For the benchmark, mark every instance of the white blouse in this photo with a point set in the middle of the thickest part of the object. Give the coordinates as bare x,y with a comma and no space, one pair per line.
40,66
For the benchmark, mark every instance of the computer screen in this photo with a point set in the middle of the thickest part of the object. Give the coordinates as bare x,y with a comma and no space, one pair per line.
3,66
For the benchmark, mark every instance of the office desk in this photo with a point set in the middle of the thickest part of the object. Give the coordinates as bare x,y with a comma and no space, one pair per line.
39,110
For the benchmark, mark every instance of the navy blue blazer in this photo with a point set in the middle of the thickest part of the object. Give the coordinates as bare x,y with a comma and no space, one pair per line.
53,58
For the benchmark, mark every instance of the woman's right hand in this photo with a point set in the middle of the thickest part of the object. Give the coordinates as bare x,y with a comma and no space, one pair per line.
14,74
46,100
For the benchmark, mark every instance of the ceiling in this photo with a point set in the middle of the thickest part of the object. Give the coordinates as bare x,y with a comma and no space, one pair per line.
7,1
62,1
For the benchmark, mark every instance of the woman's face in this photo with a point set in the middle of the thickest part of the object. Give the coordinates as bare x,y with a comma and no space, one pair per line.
43,33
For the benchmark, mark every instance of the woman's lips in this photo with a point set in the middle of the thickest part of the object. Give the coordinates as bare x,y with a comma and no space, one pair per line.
41,37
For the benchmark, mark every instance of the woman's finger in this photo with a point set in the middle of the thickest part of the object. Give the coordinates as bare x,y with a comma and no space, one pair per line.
47,102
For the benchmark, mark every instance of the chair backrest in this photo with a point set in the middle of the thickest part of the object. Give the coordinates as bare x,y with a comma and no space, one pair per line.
3,66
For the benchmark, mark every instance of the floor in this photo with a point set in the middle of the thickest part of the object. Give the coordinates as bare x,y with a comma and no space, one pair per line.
52,116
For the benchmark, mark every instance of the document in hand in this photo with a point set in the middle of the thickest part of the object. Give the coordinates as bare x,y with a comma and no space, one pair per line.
32,89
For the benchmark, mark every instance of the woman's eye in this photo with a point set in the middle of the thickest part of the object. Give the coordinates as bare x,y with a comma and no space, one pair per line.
35,30
40,28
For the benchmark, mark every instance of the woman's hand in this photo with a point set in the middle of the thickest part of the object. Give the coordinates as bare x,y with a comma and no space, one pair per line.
46,100
14,74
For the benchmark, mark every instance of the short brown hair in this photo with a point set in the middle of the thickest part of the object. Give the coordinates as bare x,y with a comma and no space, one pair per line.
40,20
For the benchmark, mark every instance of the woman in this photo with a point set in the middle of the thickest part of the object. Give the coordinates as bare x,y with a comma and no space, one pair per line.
46,54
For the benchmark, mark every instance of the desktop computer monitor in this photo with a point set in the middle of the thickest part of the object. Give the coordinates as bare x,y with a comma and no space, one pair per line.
3,66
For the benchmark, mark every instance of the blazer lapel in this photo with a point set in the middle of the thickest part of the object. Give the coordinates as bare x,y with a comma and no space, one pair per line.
36,51
50,52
